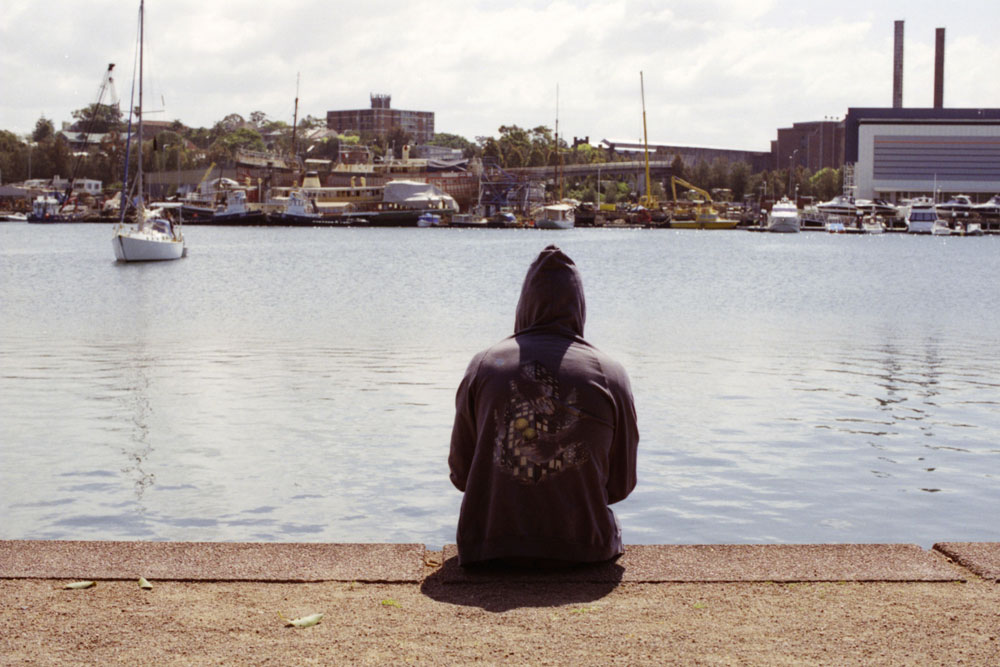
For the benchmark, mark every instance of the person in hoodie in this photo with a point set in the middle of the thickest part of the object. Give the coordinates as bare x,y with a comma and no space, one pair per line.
545,434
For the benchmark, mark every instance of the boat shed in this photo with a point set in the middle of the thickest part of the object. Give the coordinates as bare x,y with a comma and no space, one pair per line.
900,153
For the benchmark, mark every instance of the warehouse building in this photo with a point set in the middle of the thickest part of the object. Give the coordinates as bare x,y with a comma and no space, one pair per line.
899,153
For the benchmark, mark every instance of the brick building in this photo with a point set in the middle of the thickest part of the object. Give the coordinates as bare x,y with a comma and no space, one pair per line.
813,145
381,119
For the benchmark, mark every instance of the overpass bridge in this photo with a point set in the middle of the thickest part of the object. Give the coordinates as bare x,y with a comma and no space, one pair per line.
658,169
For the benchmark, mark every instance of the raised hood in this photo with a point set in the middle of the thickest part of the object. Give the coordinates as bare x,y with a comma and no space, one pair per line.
552,296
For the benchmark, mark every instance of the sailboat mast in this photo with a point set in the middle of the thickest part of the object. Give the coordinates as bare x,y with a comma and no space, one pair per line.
558,152
295,116
140,206
645,140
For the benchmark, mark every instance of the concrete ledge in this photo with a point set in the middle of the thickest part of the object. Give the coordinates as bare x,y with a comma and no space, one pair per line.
983,558
735,563
211,561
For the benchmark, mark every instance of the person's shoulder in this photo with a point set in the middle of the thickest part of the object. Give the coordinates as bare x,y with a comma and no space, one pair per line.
497,349
613,369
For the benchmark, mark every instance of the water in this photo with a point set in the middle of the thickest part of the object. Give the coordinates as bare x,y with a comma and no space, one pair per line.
298,384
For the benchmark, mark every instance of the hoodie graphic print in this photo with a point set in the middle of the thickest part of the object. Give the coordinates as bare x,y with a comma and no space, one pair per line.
533,441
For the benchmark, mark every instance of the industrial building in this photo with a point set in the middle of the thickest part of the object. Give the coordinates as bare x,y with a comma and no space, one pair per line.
381,119
814,145
898,153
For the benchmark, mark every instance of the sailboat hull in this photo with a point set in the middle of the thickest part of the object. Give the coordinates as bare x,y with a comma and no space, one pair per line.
135,248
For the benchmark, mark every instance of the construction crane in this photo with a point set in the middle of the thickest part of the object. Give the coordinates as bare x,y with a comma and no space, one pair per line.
701,211
205,175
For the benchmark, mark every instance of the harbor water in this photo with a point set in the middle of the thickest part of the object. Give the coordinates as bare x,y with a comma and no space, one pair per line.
297,385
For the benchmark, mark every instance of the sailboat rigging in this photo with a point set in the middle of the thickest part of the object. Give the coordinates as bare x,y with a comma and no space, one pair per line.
152,237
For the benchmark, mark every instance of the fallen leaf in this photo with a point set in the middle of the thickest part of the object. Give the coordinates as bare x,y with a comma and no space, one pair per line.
305,621
145,584
76,585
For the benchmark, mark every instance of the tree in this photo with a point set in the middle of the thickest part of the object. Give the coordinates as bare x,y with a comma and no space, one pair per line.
739,180
700,175
225,147
718,173
12,153
258,118
44,129
677,166
447,140
97,118
825,183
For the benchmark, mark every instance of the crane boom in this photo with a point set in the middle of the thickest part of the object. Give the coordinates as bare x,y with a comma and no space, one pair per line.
675,180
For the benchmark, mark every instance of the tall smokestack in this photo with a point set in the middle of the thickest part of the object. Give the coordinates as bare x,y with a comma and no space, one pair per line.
939,69
897,68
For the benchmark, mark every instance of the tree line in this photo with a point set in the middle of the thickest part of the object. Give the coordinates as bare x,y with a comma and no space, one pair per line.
46,153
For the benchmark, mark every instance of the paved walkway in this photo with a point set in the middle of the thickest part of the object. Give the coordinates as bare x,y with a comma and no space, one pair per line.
696,604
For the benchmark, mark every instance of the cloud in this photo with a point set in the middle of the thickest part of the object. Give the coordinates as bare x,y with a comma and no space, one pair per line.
721,73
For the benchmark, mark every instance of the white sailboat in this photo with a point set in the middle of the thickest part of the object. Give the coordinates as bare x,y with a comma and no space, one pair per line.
152,237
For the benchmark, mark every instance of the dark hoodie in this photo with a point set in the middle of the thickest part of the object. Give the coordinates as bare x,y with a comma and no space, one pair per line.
545,433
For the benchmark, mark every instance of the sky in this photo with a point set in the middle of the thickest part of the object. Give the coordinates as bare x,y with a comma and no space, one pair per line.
716,73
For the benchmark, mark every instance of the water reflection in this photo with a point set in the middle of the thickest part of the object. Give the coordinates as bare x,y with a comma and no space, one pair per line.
136,403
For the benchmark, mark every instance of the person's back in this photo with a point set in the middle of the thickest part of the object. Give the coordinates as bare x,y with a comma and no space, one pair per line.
545,434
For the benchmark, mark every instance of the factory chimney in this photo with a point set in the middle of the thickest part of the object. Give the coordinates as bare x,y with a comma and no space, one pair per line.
939,69
897,68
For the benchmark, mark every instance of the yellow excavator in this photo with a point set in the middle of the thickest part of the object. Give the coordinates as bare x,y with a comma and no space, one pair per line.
698,214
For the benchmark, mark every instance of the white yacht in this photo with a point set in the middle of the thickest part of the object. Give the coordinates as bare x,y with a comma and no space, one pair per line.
879,206
991,207
922,216
959,204
152,237
556,216
872,224
784,217
940,228
841,206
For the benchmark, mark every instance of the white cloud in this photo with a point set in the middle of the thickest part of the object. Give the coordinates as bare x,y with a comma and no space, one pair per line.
718,72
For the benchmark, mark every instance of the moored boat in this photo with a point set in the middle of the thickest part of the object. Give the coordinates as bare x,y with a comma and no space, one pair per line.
922,216
989,208
45,208
297,211
959,205
236,212
556,216
784,217
152,237
842,206
940,228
